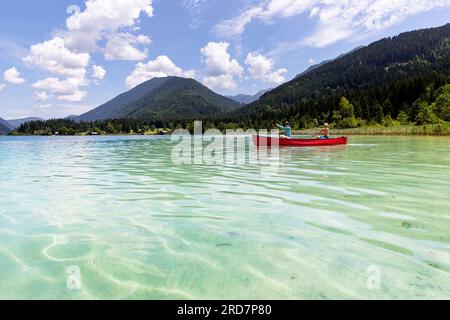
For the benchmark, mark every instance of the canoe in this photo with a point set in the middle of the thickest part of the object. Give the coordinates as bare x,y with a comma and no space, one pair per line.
283,142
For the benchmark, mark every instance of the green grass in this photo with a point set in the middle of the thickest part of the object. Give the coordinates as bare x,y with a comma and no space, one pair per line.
442,129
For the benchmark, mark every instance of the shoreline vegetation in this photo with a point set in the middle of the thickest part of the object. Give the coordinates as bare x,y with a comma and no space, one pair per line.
402,130
441,129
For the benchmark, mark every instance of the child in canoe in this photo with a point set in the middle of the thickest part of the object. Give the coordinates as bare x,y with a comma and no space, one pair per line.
287,130
324,133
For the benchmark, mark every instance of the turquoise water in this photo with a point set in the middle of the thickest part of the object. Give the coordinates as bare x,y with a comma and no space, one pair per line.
367,220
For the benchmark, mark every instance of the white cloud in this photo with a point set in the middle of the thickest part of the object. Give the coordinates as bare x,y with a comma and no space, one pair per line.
327,35
314,11
261,68
123,46
221,70
68,54
218,61
221,82
335,20
2,86
66,90
265,11
75,96
312,61
44,106
13,76
286,8
161,67
196,8
41,96
236,26
53,56
98,72
194,5
102,18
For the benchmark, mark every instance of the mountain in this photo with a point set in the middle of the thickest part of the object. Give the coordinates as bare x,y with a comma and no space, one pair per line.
167,98
314,67
381,79
15,123
5,127
246,98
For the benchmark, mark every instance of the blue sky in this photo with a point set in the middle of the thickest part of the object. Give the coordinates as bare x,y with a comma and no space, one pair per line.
66,57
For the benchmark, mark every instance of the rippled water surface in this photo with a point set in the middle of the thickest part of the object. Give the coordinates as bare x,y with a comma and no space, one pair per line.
329,223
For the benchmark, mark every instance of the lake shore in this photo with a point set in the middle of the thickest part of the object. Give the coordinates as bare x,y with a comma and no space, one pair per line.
406,130
442,129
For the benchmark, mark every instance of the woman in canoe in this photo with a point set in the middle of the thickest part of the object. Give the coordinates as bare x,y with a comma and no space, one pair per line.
287,130
324,133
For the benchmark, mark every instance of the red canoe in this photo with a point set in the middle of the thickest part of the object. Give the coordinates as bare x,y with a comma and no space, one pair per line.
262,141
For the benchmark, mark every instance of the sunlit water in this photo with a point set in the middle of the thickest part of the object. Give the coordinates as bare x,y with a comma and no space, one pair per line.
367,220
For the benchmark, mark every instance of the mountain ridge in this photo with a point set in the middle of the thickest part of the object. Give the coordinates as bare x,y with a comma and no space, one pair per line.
15,123
383,78
163,98
318,65
247,98
5,127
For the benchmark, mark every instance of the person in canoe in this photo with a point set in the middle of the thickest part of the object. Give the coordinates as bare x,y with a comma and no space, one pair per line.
287,130
324,133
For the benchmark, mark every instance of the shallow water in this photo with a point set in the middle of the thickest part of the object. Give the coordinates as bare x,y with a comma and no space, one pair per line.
367,220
